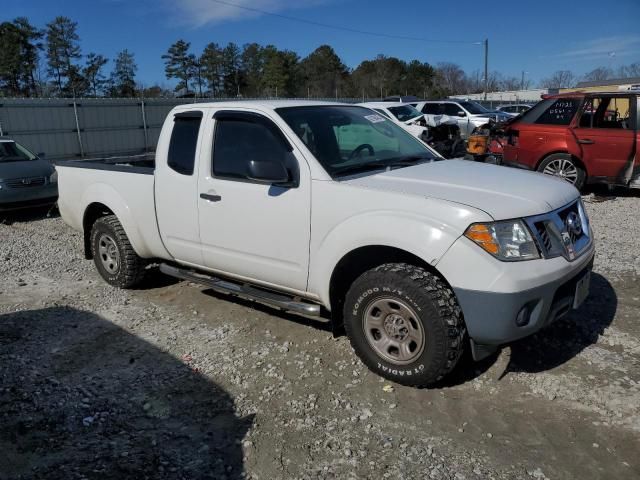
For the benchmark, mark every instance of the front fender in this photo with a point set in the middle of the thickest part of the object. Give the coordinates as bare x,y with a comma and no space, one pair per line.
418,235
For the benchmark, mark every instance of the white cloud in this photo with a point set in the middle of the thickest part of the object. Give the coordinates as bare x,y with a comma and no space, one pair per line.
197,13
602,48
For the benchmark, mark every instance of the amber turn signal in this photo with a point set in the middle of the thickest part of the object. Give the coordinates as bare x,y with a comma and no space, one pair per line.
483,236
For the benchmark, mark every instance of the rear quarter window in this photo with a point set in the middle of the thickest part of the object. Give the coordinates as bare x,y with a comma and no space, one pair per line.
184,139
560,112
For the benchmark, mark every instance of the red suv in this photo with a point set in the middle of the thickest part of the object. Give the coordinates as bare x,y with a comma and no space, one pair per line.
580,137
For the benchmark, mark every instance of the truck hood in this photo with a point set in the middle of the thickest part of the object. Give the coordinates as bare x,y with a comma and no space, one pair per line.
25,169
501,192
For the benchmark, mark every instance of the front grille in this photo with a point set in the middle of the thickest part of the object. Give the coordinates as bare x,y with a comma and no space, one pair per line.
544,236
568,217
563,232
26,182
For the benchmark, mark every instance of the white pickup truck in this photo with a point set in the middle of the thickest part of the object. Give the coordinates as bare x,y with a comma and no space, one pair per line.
332,209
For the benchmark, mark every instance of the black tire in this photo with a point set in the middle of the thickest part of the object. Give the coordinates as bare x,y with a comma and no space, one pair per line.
128,271
435,307
560,158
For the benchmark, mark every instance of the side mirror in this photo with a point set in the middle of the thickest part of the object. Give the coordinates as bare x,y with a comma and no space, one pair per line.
462,114
40,155
269,173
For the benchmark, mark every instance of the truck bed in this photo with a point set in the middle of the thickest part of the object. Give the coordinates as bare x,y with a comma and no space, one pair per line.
123,184
142,164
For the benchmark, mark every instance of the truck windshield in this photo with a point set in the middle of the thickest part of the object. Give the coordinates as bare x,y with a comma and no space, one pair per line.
405,113
348,140
12,152
473,108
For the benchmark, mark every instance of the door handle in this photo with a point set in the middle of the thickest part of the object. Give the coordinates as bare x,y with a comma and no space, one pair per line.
586,141
211,198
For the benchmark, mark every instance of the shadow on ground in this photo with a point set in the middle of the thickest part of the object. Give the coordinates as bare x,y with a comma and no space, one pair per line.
83,398
28,215
565,339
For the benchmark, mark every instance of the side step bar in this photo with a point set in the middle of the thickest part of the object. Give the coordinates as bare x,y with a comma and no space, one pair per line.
244,290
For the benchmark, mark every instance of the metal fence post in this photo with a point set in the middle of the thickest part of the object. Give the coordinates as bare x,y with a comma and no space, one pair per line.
75,113
144,127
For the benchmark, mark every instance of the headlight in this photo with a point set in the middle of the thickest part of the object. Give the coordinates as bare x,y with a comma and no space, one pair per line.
508,240
53,178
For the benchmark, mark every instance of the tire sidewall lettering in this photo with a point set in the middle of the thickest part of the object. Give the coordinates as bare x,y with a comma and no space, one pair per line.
417,370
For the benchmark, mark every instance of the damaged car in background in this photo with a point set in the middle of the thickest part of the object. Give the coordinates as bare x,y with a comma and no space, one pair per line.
440,132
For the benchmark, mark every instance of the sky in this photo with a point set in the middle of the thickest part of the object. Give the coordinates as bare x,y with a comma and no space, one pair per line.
535,37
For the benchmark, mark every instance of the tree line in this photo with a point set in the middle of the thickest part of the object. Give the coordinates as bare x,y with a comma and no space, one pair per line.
49,62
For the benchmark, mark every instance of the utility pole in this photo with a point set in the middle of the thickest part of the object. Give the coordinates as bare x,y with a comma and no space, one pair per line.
486,67
522,82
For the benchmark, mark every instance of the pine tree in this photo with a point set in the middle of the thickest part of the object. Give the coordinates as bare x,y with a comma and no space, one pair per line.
178,64
63,50
93,73
231,68
123,77
19,57
211,66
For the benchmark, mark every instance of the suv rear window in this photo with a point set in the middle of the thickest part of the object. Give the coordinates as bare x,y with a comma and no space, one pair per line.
560,112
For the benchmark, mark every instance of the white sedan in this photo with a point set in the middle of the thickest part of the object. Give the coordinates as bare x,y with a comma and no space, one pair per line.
404,114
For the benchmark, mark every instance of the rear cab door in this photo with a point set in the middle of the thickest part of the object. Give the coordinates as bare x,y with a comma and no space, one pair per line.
605,136
176,183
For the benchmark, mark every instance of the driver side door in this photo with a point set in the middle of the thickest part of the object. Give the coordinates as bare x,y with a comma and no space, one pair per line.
249,229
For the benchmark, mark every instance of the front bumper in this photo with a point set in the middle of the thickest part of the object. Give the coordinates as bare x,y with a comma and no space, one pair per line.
28,197
545,287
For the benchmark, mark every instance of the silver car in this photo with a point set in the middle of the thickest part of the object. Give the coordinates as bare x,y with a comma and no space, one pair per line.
25,179
469,115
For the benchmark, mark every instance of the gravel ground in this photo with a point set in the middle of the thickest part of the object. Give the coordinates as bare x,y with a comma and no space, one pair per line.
173,381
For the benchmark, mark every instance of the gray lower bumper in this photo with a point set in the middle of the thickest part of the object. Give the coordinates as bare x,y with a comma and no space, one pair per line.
491,317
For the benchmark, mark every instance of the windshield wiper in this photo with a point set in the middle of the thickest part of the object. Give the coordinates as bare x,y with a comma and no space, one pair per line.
390,163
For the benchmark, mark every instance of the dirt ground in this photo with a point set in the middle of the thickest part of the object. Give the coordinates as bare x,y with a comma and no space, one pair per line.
174,381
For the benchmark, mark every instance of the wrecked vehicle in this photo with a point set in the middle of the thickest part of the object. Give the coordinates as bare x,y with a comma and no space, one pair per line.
440,132
580,137
403,114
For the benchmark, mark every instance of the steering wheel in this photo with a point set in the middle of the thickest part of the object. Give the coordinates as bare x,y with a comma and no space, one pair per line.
359,148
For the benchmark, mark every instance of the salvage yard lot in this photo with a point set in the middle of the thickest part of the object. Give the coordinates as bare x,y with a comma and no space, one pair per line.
173,381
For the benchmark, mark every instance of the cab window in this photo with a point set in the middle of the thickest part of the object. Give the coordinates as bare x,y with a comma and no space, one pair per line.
238,141
607,112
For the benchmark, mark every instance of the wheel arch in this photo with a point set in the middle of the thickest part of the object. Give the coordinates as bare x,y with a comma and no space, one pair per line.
359,260
564,152
92,213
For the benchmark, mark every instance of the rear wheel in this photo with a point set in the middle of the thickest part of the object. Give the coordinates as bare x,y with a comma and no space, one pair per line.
564,166
404,323
116,260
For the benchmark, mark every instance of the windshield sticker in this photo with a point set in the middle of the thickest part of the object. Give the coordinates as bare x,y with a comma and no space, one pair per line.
374,118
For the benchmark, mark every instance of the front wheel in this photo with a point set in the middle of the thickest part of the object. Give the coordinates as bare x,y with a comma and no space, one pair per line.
405,324
564,166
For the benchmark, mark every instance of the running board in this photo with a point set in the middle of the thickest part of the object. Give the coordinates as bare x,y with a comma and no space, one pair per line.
244,290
